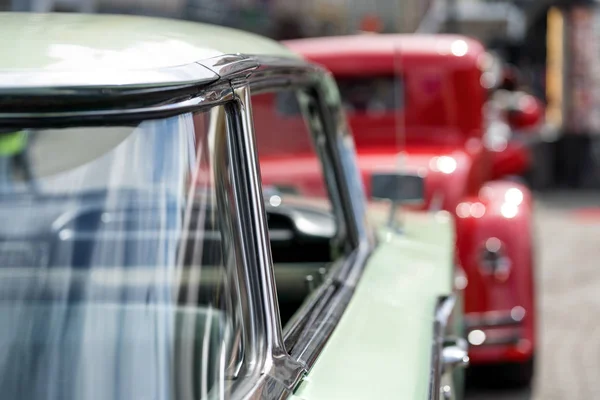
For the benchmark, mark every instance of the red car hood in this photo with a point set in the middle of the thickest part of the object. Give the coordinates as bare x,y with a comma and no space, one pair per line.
446,170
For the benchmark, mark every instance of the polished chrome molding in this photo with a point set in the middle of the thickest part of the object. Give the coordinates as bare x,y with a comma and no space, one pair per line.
495,328
314,324
268,369
264,271
508,340
35,99
494,319
232,66
288,361
504,336
455,354
278,72
66,82
233,240
246,247
214,95
274,373
443,311
318,329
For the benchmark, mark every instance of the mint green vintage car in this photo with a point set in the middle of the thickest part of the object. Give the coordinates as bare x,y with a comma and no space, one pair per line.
143,257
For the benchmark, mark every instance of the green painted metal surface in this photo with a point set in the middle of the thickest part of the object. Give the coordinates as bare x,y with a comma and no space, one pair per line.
382,347
60,41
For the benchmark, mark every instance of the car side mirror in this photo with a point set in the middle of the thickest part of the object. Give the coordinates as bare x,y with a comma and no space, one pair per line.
399,188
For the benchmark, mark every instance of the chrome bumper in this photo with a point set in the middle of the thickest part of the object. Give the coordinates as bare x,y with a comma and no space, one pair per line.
495,328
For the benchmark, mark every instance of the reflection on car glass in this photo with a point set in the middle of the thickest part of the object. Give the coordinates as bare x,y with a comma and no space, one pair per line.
91,143
101,293
302,227
287,103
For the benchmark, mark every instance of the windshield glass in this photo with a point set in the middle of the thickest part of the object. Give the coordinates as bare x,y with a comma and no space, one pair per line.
371,95
113,280
423,104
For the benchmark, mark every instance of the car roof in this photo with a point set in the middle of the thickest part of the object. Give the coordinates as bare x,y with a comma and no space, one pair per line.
439,45
69,41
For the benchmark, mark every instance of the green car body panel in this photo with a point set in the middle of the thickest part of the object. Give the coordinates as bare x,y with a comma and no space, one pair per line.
66,42
382,347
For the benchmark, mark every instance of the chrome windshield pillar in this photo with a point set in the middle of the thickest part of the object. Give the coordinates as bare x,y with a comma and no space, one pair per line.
265,347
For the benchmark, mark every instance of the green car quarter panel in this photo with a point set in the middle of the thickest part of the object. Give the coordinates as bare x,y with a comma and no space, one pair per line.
382,346
75,42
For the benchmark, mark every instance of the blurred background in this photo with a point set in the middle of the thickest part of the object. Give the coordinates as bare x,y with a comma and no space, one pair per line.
542,39
552,49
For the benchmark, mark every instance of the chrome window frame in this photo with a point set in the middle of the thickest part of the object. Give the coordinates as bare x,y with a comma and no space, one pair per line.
317,319
228,80
443,310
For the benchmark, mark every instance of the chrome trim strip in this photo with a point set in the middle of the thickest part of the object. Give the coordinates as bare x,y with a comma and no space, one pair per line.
443,311
180,89
510,338
274,373
317,331
317,322
232,239
52,81
313,327
491,319
455,354
270,362
231,66
243,180
276,72
214,95
264,273
335,147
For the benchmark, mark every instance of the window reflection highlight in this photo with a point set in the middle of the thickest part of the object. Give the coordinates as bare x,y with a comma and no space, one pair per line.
113,276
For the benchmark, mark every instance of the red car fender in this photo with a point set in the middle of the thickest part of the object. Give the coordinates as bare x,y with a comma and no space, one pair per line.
449,173
443,190
499,219
514,160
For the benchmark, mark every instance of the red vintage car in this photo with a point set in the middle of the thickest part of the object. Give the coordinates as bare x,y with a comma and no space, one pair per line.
428,98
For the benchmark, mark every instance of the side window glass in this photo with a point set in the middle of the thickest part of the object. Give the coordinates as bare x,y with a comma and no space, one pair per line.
303,227
116,264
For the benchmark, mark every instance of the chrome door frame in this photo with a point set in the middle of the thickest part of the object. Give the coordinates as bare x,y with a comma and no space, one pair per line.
283,370
226,81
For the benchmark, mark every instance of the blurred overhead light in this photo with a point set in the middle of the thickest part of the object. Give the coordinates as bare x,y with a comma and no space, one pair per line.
509,210
517,313
275,201
488,80
477,210
476,337
485,61
513,196
459,48
463,210
446,164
